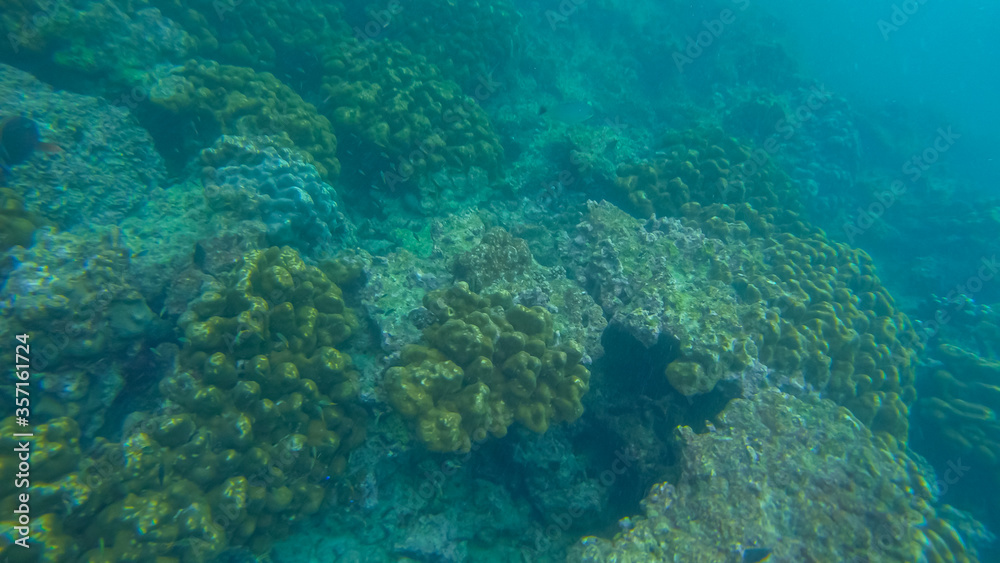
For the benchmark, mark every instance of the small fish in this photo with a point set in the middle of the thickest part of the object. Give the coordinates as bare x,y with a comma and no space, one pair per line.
199,256
19,139
756,555
570,112
283,340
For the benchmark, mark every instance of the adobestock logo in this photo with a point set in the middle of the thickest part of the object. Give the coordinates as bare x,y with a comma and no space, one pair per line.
913,168
562,522
713,29
901,14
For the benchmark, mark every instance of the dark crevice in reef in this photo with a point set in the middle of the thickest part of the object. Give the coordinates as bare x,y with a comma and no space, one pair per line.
633,367
629,424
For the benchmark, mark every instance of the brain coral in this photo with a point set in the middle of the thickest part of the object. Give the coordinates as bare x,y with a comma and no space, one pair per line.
487,363
251,180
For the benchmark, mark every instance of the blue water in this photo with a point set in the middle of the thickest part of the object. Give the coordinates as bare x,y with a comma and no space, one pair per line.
499,280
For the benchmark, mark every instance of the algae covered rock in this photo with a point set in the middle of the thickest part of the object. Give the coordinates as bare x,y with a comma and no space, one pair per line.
665,280
825,320
107,167
799,477
487,363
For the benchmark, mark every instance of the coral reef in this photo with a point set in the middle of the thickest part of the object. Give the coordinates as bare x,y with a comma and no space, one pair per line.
72,295
108,164
262,34
963,402
498,256
957,416
210,99
800,477
16,224
66,489
707,166
556,477
260,412
276,187
489,362
814,135
451,248
464,40
664,278
427,509
103,41
828,322
397,104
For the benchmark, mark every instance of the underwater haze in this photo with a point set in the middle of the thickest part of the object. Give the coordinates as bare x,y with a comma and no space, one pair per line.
499,281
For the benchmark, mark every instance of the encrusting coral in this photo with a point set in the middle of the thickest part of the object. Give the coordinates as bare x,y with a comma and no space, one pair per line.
487,363
827,321
72,295
797,478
